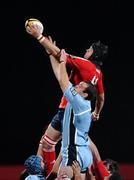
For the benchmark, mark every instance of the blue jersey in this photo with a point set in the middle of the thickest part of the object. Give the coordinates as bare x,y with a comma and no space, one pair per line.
76,124
77,119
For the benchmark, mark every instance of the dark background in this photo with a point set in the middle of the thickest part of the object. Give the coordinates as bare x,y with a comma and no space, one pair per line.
30,93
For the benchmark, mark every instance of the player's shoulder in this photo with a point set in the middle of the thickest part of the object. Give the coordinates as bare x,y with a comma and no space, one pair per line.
77,58
98,71
99,74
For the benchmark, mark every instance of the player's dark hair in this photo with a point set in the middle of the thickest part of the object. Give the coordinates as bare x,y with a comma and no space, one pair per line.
100,52
113,165
115,176
91,91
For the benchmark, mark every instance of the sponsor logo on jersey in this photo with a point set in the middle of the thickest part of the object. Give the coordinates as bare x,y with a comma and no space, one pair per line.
73,91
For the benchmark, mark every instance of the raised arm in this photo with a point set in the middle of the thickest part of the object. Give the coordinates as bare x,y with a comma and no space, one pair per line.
59,69
63,76
44,41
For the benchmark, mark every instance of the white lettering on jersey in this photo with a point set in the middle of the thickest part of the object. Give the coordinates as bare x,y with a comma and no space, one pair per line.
94,80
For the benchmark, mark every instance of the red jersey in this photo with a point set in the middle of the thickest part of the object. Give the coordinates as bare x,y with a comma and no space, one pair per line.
83,70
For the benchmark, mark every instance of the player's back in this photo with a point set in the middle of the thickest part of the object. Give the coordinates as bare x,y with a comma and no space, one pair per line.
83,70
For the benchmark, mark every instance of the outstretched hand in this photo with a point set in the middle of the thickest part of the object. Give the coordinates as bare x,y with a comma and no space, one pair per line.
33,30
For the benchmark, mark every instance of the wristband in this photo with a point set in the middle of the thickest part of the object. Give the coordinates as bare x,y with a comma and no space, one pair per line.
40,38
62,62
49,54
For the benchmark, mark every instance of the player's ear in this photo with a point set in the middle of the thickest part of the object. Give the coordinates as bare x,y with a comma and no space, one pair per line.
85,95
